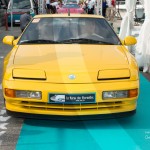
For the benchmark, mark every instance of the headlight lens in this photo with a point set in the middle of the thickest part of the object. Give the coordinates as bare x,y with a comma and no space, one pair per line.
120,94
23,94
115,94
29,94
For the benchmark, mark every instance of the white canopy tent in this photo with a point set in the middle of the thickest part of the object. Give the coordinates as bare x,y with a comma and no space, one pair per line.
143,45
127,22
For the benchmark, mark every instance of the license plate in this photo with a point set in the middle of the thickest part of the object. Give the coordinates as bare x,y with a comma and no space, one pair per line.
17,21
71,98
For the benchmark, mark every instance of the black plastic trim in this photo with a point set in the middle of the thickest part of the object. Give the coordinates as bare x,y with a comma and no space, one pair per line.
71,118
29,78
113,78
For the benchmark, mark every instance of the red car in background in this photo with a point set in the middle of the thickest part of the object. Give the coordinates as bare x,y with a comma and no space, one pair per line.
74,8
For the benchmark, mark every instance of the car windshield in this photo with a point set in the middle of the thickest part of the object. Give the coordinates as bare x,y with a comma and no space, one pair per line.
21,4
71,6
69,30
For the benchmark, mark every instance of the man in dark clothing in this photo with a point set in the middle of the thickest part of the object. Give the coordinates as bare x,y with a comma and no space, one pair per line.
24,20
104,7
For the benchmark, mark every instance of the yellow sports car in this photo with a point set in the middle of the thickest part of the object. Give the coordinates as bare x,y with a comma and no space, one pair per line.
70,65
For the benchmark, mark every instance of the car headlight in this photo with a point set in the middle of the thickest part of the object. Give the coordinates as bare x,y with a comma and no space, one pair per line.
23,94
120,94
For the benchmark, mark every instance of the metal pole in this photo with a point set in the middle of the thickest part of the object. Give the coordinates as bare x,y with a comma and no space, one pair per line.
101,7
6,21
11,14
98,3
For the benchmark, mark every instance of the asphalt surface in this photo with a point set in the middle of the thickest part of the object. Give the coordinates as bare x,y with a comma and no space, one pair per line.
9,127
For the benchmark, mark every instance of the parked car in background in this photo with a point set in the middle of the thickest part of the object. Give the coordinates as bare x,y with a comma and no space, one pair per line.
71,1
19,7
72,7
70,65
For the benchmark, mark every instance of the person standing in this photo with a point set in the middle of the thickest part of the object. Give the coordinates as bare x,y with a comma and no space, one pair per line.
36,7
91,7
110,10
104,6
113,2
24,20
48,6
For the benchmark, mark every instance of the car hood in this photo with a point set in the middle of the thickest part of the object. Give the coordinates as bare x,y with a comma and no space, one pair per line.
70,63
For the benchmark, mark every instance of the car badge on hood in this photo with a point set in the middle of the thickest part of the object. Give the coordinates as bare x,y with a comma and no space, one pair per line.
71,76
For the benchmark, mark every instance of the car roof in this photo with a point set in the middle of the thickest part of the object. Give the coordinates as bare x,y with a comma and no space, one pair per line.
66,15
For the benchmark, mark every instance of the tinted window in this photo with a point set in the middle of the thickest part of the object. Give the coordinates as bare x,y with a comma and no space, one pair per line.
71,6
59,29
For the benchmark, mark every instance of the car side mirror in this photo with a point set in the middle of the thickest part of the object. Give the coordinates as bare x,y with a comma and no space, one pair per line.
9,40
16,40
129,40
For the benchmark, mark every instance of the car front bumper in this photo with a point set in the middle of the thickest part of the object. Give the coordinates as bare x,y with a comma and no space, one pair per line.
42,106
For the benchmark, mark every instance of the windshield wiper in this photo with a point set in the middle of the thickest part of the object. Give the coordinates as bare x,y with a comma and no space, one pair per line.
39,41
85,41
68,41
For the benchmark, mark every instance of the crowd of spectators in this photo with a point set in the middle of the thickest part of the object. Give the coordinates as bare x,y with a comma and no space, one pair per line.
108,7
